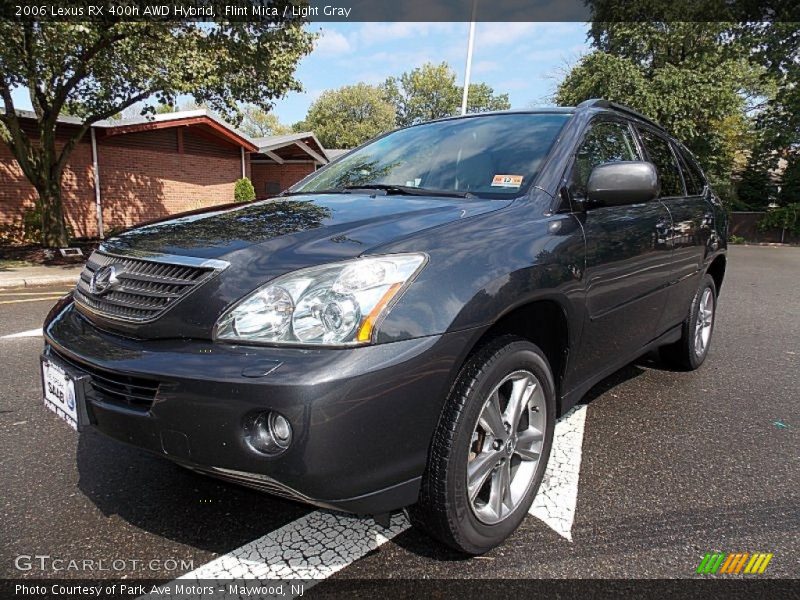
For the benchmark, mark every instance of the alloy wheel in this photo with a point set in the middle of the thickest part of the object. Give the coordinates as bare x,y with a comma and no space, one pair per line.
506,447
703,323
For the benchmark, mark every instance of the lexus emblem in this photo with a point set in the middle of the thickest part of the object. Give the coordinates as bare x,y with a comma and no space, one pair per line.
103,280
510,446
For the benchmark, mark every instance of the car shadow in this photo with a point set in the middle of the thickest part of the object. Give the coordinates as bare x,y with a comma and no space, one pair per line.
631,371
162,498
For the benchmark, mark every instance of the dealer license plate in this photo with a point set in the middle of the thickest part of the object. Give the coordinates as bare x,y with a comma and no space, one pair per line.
59,392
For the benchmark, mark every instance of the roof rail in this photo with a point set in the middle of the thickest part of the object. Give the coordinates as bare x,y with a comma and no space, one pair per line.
602,103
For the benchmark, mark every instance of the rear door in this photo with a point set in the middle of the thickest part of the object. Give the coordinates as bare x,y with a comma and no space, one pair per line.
627,256
683,193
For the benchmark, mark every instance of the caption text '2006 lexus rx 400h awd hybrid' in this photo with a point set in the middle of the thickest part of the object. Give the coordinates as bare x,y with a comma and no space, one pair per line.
403,327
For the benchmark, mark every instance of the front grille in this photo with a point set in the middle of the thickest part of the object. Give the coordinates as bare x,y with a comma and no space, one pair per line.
136,393
144,289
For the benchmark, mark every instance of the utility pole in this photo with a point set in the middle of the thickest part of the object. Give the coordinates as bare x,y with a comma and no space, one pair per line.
468,68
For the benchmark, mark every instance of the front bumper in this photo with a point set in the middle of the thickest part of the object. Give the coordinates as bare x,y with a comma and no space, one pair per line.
362,418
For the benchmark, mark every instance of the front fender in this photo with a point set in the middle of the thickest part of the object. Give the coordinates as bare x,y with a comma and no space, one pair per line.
482,269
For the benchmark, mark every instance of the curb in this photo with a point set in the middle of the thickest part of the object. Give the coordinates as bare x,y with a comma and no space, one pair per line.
765,244
41,280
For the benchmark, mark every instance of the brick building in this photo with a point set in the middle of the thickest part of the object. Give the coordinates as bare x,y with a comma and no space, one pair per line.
284,160
135,170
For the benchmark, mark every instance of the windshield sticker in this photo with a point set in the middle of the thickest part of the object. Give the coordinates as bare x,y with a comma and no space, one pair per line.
507,181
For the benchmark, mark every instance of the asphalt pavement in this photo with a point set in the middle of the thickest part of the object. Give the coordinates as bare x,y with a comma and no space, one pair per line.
672,465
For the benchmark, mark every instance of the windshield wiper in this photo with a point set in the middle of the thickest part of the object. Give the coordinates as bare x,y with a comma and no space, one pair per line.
404,190
306,192
408,190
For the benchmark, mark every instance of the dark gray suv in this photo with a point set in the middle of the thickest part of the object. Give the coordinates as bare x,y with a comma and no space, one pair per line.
403,327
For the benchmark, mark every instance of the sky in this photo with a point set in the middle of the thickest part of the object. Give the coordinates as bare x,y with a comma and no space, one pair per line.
525,60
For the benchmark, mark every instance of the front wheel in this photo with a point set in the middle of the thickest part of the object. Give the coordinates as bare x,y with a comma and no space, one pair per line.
490,448
691,350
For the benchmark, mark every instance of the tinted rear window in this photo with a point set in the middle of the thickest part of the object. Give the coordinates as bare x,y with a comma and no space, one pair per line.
692,176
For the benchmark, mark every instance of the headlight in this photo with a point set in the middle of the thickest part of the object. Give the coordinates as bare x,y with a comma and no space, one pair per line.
335,304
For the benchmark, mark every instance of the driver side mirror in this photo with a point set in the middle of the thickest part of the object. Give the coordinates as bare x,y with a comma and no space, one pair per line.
620,183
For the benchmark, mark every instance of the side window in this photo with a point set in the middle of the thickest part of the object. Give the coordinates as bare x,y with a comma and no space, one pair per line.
668,172
606,141
695,174
693,186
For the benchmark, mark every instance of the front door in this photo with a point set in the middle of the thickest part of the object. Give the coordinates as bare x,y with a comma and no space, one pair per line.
627,258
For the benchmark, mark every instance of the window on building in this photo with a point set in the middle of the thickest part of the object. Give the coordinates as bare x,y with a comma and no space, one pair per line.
273,188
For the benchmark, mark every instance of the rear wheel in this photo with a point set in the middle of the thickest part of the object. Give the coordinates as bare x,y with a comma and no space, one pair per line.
691,350
490,448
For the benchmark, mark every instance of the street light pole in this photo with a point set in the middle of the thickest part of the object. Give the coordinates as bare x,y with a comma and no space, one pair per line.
468,68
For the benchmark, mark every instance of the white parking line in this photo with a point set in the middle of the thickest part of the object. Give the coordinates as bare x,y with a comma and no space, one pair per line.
315,546
307,550
23,334
557,499
321,543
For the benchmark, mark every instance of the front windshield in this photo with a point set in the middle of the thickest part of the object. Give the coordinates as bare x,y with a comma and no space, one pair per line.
491,155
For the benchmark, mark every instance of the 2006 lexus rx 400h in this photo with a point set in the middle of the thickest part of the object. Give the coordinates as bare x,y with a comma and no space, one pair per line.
403,327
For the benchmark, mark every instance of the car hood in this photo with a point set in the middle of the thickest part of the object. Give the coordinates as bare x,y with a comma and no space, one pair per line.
314,225
263,240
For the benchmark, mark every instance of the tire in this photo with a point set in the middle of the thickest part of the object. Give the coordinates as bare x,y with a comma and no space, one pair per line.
475,523
691,350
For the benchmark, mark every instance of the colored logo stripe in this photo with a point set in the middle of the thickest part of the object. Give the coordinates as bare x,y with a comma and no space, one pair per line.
758,563
732,564
711,562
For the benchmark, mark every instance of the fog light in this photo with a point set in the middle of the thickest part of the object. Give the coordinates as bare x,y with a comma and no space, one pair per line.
269,433
280,428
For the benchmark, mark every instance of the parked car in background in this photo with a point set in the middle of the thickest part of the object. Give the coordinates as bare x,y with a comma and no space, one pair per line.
404,326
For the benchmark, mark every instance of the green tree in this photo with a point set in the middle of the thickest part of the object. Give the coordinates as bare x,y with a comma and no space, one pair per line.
756,187
790,180
481,98
692,77
430,92
300,126
349,116
776,47
97,69
425,93
160,109
163,109
256,122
